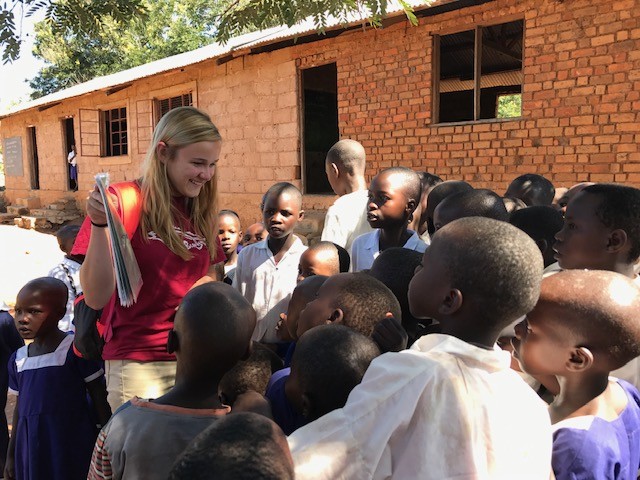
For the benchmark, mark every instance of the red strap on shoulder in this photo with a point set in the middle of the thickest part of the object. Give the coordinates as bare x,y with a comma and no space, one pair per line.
130,201
130,205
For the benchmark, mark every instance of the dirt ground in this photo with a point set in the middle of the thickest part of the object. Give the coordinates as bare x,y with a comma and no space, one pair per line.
24,255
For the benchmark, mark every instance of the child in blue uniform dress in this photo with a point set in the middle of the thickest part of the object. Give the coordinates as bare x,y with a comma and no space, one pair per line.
53,426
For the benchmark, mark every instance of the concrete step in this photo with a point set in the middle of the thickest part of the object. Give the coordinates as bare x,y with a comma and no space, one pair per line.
7,218
29,202
17,209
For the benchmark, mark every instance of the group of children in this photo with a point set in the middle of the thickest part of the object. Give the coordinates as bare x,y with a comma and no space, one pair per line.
452,333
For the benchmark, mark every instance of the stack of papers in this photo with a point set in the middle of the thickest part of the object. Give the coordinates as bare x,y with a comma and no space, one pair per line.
127,271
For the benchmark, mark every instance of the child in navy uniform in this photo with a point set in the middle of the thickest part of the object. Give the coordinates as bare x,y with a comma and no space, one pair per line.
584,326
53,428
394,195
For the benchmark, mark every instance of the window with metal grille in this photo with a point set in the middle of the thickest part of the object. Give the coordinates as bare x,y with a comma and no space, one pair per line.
115,141
166,104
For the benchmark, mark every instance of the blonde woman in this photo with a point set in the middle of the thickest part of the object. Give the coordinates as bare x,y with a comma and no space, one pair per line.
176,248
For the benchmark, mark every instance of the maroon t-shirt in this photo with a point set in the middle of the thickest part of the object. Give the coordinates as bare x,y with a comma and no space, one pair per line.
140,332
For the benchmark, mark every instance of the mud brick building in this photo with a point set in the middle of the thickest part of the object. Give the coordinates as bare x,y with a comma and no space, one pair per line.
429,97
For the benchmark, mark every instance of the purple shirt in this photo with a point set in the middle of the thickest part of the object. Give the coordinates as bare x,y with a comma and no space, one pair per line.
287,418
590,447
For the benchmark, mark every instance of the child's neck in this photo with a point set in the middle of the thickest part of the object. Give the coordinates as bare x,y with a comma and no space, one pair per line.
46,343
582,395
354,184
395,236
201,394
75,258
280,246
232,259
468,332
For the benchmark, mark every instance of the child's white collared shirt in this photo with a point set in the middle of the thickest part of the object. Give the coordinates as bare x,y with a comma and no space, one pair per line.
265,284
366,248
444,409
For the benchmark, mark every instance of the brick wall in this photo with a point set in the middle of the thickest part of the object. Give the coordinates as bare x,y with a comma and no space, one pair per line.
580,116
581,95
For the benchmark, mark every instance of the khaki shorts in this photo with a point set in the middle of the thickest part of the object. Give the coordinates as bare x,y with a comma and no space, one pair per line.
129,378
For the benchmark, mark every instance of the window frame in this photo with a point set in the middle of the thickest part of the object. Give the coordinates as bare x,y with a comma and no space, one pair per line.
477,65
106,126
157,103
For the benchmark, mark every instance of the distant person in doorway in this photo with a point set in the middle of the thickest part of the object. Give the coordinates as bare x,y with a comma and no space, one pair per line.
73,168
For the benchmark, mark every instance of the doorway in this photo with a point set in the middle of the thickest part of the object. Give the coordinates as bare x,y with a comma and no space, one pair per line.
70,153
35,165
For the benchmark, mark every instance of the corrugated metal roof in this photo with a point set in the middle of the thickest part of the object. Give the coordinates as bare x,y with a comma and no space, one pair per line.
214,50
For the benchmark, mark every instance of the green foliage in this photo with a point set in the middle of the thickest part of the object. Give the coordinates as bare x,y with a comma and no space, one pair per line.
65,17
261,14
509,106
169,27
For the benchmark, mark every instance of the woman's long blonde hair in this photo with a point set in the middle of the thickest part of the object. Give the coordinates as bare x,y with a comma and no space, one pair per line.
178,128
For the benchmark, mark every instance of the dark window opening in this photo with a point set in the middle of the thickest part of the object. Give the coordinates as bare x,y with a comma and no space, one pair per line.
320,128
69,143
33,160
166,104
115,132
480,73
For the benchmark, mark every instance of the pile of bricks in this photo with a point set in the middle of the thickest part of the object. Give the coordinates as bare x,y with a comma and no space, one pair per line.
27,213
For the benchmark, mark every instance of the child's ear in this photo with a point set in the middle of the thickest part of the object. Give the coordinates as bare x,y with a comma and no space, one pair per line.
411,207
617,240
581,359
451,303
336,316
301,215
336,171
172,342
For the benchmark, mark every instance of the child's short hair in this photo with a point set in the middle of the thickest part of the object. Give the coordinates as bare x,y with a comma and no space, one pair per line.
395,268
329,361
438,194
540,222
494,264
218,336
600,308
230,213
280,188
410,180
619,209
428,180
532,189
474,203
250,374
56,291
344,258
240,446
348,155
331,255
365,301
68,232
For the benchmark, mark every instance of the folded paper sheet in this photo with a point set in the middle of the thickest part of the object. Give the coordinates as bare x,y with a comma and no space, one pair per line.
128,278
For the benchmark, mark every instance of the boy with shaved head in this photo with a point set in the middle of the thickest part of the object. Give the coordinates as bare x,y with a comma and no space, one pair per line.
585,325
394,195
450,407
212,332
346,219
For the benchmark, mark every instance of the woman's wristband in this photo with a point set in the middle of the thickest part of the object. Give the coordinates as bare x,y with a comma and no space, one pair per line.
99,225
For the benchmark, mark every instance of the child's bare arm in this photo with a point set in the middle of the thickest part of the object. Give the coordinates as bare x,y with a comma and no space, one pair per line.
98,394
9,466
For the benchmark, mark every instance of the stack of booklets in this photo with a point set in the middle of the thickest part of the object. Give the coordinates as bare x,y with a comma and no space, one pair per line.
127,271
